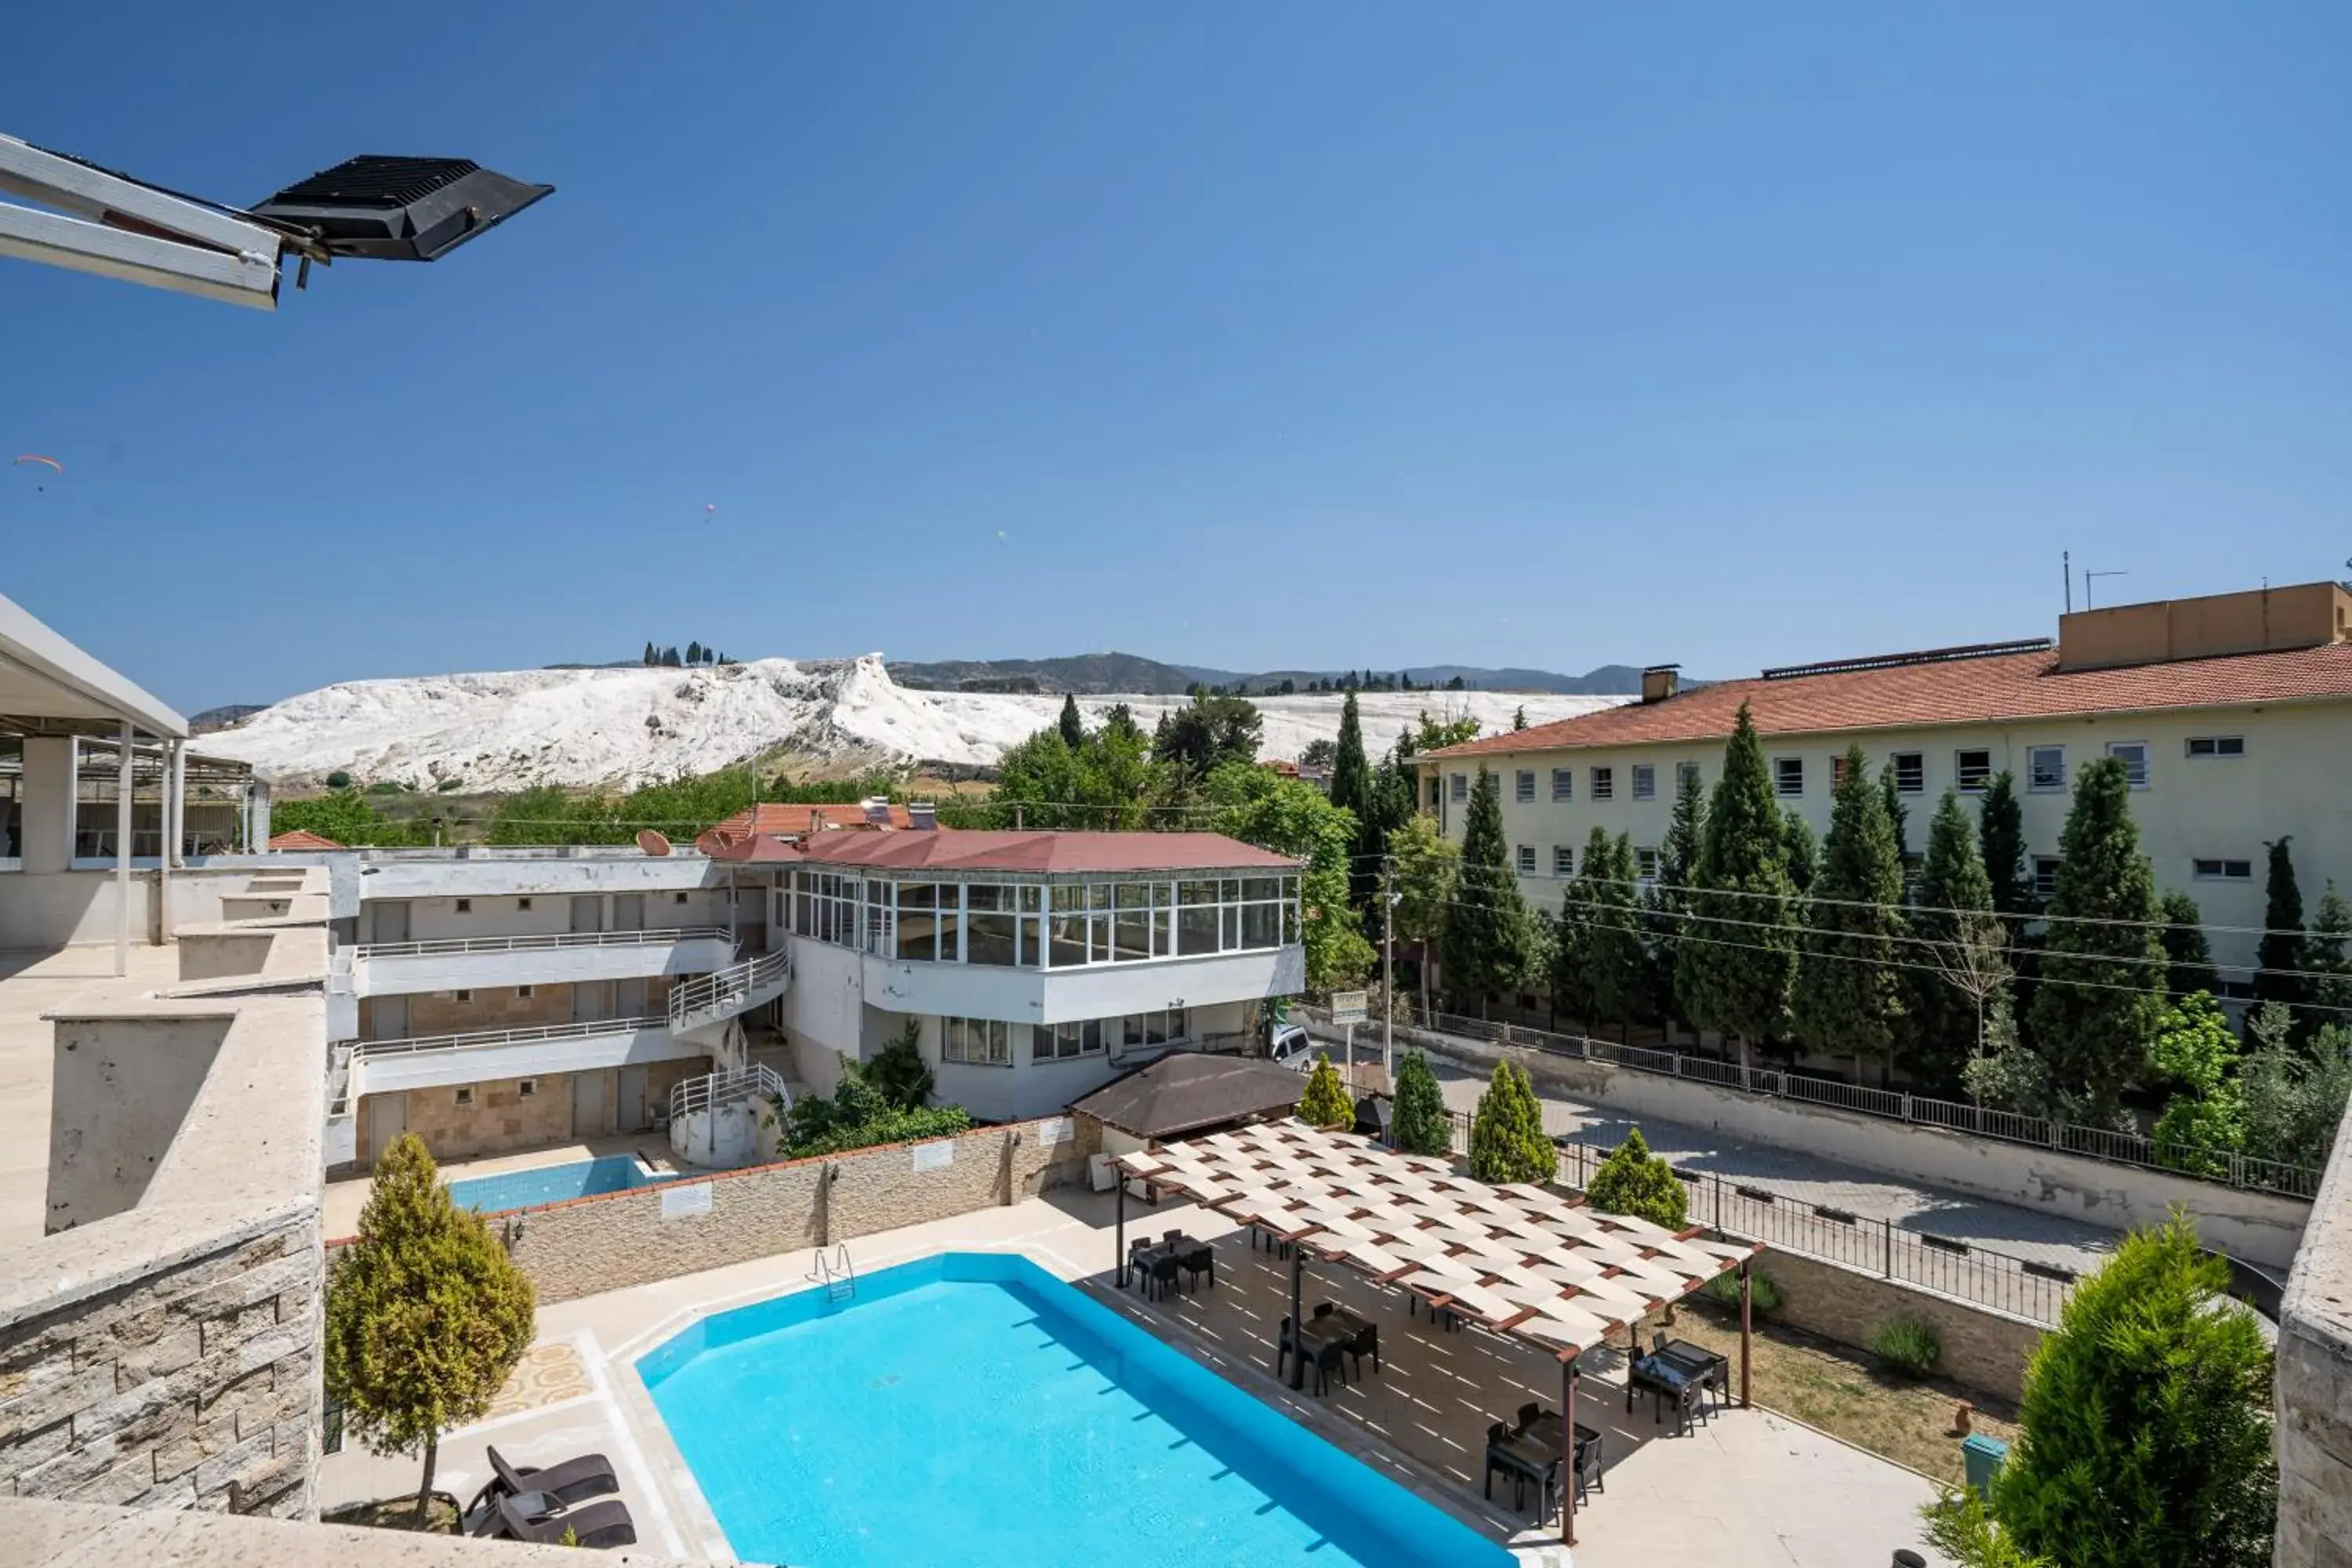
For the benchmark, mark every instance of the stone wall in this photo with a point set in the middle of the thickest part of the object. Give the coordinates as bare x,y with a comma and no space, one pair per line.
195,1387
1982,1349
2314,1383
618,1239
501,1119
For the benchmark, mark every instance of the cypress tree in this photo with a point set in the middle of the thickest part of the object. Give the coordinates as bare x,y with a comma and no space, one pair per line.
1519,717
1488,938
1738,946
1849,994
2188,957
1572,958
1678,864
1351,786
2101,982
649,653
1074,728
1633,1181
1324,1103
1422,1126
1804,851
1966,976
2280,953
1506,1135
1898,816
2324,955
1617,961
2000,835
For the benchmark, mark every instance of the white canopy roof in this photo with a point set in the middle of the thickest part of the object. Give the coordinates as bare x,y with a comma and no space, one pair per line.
1520,1259
48,685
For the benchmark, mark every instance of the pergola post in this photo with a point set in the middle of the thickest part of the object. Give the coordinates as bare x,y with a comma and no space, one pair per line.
1118,1225
1744,1324
1568,1449
1633,1354
122,855
1297,1329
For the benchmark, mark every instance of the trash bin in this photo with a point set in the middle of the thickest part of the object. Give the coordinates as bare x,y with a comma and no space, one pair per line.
1982,1457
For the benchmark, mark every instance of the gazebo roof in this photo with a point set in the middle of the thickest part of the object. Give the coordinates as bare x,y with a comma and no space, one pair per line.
1520,1259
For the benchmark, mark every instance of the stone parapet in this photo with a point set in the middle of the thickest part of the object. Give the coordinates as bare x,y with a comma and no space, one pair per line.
2314,1382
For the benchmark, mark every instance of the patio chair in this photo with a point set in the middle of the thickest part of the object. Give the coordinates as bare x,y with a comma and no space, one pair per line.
1664,1384
1171,1239
1164,1271
1588,1461
574,1480
1501,1455
600,1524
1199,1262
1363,1341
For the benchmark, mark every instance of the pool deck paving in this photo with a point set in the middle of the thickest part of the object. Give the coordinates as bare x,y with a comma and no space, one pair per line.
1744,1487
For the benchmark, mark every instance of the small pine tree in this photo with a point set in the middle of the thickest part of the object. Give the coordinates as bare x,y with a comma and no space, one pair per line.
1898,816
1489,936
1616,959
1074,728
653,654
1351,786
1737,949
1804,850
1677,863
1422,1125
2145,1434
425,1313
2001,836
1849,994
2188,957
1326,1102
1633,1181
1506,1135
1962,978
1519,717
694,653
2103,970
2324,955
2280,953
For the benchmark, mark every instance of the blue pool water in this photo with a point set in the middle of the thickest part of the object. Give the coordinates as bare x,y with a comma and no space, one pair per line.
550,1184
973,1409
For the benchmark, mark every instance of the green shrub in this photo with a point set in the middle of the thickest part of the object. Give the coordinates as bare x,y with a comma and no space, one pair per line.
1633,1181
1422,1125
1763,1294
1909,1345
1326,1101
898,1071
1506,1135
339,779
891,1127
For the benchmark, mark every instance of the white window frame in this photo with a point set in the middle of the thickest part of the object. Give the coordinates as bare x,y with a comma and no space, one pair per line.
1603,784
2220,869
2116,748
1646,864
2033,770
1523,785
1563,859
1645,781
1983,780
2044,887
1045,1040
2213,751
1918,784
1460,788
1781,789
1526,859
1563,784
976,1042
1691,771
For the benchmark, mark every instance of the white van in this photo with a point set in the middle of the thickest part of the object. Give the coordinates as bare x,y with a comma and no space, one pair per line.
1292,1047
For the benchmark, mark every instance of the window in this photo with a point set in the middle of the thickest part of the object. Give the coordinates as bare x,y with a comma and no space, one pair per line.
1078,1037
522,903
1837,772
2133,755
1910,772
1788,775
465,1098
1686,776
465,906
2045,767
1156,1028
976,1042
2225,870
1563,784
679,899
465,995
525,1088
1604,783
1645,863
1523,787
525,993
989,924
1645,781
1972,771
1460,785
1526,859
2045,876
1563,860
2216,745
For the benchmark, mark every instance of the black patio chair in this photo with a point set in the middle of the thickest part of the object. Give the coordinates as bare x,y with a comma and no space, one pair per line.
600,1524
574,1480
1199,1263
1164,1272
1588,1462
1502,1456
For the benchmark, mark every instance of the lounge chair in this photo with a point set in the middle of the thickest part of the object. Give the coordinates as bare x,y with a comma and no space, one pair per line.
574,1480
600,1524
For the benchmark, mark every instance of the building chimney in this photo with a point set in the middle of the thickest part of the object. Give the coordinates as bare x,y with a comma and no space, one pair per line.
922,815
877,809
1659,681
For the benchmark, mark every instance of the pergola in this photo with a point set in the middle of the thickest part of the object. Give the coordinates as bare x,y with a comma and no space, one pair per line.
1521,1259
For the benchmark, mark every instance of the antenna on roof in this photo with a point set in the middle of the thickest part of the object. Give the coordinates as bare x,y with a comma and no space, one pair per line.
651,842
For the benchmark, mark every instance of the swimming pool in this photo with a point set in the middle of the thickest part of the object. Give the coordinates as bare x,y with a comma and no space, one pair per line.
550,1184
970,1408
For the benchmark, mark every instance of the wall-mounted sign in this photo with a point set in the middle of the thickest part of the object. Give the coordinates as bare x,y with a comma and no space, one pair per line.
682,1200
1052,1133
934,1156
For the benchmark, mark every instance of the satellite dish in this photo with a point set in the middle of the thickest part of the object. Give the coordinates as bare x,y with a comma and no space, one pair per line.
652,843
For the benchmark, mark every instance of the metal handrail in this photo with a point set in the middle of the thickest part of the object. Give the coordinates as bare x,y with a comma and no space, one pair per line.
474,1038
693,1094
711,993
542,942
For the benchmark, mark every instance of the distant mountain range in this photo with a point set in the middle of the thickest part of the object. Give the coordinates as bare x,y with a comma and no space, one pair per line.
1096,674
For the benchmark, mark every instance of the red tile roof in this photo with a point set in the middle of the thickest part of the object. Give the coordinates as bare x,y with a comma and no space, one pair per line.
962,849
788,821
1998,689
303,838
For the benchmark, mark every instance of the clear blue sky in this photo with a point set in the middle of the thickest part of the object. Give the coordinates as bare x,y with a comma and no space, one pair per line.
1326,334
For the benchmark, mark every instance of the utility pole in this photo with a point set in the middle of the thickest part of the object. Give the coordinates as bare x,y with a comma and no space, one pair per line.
1388,984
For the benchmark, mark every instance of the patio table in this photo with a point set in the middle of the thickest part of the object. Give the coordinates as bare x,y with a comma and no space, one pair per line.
1698,1363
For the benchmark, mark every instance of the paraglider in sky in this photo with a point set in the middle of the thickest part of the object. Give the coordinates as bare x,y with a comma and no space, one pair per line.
37,458
709,509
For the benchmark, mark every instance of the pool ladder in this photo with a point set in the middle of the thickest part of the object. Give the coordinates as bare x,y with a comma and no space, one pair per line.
837,1273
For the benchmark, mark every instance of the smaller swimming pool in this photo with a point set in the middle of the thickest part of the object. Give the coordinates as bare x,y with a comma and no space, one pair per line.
552,1184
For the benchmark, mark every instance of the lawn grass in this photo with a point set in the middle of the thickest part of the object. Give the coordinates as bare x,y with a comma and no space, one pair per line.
1844,1391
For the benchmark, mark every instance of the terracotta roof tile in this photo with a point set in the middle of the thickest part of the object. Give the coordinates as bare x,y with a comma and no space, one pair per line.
303,838
963,849
1997,689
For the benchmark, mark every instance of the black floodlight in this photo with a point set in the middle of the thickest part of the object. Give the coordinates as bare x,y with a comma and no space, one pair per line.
397,209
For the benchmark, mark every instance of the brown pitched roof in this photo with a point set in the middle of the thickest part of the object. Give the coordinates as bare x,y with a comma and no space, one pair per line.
303,838
960,849
797,820
2000,688
1187,1093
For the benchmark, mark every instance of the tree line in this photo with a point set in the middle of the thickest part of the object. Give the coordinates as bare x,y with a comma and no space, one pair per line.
696,654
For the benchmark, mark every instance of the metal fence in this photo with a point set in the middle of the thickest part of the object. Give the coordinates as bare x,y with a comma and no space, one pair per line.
2220,1166
2017,1285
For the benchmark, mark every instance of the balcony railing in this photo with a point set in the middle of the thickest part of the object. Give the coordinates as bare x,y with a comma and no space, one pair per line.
545,942
366,1051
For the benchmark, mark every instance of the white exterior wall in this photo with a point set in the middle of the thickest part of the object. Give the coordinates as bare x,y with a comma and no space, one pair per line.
406,975
439,919
2291,781
1030,1088
490,1064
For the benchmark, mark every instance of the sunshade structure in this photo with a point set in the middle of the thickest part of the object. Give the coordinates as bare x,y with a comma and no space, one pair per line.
1521,1259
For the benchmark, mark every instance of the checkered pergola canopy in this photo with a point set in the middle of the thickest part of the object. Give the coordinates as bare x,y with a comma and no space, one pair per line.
1518,1258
